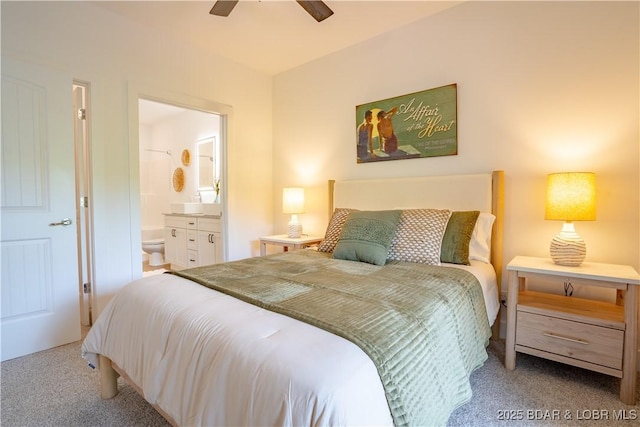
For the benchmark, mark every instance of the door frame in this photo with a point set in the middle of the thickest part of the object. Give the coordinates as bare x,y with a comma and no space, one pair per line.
138,91
84,205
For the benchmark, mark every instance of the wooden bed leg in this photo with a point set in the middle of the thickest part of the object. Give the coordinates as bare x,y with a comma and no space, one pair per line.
108,379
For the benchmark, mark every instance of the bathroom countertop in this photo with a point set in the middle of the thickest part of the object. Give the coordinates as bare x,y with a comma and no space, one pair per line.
199,215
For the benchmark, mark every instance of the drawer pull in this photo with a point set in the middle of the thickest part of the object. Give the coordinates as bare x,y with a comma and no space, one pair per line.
579,341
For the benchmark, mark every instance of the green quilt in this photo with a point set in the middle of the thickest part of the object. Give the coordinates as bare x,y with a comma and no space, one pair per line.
425,327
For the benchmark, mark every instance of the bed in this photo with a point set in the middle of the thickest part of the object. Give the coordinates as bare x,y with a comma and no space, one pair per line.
333,336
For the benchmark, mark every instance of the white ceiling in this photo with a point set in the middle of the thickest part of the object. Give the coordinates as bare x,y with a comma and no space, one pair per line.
275,35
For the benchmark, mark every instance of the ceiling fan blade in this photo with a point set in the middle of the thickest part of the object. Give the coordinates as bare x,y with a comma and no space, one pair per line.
316,8
223,7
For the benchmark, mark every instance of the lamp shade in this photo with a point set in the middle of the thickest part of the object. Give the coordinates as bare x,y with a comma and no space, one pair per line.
293,200
571,196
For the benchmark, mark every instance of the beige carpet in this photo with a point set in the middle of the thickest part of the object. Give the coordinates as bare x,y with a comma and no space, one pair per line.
57,388
541,392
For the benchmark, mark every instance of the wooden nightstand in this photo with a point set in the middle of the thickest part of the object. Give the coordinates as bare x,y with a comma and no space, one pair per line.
589,334
288,242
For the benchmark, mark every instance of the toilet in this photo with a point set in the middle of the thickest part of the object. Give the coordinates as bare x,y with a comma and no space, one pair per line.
153,245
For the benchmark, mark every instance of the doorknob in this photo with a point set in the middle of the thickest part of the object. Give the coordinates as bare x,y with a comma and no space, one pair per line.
64,222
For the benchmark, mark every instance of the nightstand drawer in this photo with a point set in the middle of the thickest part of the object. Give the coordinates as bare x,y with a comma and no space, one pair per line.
582,341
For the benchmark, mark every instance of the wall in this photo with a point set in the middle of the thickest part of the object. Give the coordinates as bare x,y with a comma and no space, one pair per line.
113,55
542,87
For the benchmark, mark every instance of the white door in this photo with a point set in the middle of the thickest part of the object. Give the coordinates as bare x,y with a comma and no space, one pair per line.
40,305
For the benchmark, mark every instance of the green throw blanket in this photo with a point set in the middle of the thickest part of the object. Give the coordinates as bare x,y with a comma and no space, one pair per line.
424,327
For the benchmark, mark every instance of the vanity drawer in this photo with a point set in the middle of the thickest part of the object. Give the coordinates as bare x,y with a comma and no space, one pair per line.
175,221
192,259
209,224
192,223
581,341
192,240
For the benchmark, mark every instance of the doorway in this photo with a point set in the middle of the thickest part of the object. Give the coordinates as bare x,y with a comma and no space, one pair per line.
170,129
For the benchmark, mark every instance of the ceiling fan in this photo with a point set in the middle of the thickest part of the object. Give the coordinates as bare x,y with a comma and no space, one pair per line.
315,8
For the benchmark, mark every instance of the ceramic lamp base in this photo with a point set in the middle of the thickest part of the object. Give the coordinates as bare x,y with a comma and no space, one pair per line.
294,228
567,247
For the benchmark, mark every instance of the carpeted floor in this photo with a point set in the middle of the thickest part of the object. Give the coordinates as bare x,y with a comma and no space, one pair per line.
57,388
541,392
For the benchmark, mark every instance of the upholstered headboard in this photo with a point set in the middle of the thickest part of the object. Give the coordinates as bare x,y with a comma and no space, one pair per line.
483,192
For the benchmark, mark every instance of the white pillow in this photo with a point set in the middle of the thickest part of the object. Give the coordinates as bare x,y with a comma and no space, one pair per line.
480,244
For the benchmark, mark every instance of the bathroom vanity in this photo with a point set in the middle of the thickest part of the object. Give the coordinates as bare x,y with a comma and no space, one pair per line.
192,240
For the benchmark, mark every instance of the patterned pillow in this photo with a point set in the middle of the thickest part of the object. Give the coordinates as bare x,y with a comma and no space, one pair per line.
418,237
334,229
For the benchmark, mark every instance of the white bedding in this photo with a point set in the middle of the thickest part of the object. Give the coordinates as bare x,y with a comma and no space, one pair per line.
206,358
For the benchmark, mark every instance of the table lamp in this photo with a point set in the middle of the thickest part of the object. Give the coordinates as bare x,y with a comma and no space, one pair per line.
571,196
293,203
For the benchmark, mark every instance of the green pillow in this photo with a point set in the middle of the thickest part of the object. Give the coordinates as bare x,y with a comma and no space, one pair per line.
366,236
455,243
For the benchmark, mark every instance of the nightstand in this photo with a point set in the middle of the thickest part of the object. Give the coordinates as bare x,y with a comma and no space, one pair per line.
594,335
288,242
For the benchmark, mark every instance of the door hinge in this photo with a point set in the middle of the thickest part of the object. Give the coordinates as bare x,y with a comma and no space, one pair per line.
84,201
82,113
87,288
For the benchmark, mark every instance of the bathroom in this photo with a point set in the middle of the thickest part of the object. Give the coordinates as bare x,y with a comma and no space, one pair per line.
172,141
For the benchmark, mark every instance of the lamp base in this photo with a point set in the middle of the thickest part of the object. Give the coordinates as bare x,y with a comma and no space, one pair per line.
294,228
567,247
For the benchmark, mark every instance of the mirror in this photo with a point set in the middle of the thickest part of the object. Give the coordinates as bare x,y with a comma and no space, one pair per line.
207,161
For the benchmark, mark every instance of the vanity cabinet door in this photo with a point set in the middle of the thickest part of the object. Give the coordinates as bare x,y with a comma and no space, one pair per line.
208,247
169,246
175,240
209,241
175,246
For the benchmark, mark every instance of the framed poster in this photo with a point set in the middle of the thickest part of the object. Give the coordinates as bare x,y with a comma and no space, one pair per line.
420,124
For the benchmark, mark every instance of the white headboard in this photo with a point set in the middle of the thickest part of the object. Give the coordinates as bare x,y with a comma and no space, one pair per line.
455,192
483,192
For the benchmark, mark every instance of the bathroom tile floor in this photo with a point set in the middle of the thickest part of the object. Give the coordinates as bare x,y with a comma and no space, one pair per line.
146,267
